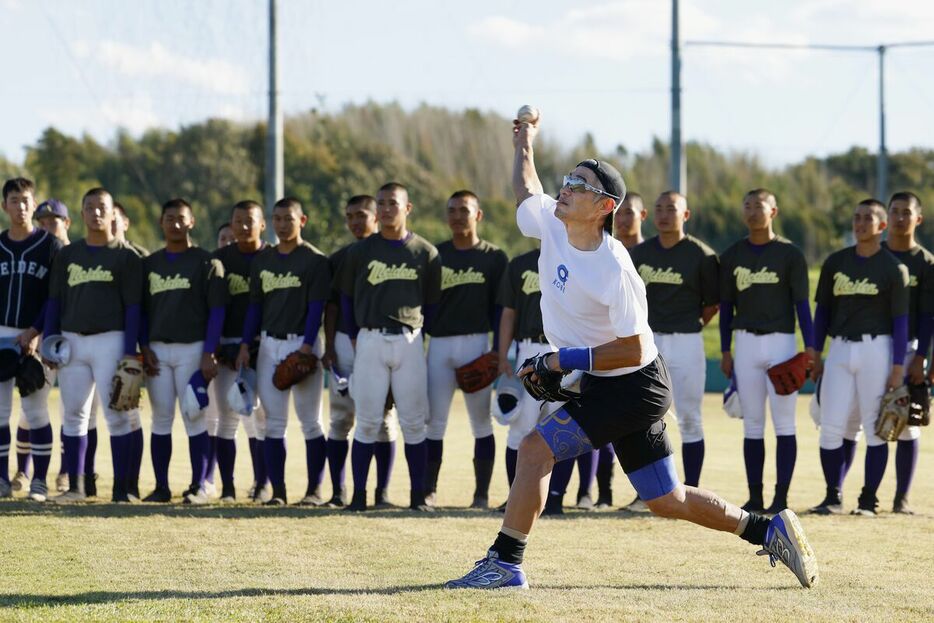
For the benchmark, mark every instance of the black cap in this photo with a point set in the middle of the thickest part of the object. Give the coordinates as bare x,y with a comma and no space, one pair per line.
610,179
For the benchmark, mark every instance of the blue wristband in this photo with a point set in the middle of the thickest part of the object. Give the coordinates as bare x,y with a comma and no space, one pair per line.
579,358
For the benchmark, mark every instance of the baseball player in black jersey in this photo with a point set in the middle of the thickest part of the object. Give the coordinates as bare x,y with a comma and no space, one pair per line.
360,213
225,235
289,284
904,218
471,270
121,226
183,303
386,282
627,222
94,302
863,304
248,225
681,282
764,279
26,255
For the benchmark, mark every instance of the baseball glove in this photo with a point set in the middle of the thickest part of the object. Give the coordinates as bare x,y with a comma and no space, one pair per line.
919,413
127,384
30,377
547,386
893,413
789,376
293,369
479,373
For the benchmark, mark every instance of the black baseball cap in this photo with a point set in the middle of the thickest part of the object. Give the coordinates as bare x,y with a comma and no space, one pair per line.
610,179
51,207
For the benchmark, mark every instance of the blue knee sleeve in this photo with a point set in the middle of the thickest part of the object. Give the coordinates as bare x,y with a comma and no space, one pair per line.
655,479
563,435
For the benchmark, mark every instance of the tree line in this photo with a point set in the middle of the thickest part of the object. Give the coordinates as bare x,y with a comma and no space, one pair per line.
434,152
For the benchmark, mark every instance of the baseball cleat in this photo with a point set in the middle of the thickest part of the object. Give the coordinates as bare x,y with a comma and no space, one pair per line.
338,500
275,501
491,573
61,482
554,505
38,491
90,485
6,490
70,497
358,502
585,503
228,495
159,495
785,541
417,503
196,497
262,494
381,500
831,505
900,505
636,506
431,498
20,482
210,489
866,505
312,498
480,501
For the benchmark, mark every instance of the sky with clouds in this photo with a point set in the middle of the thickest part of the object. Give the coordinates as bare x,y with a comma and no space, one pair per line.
600,67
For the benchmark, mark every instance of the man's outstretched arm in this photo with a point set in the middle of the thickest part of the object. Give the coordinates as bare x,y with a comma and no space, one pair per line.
525,182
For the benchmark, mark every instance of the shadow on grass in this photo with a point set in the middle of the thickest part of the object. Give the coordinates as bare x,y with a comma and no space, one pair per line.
249,511
107,597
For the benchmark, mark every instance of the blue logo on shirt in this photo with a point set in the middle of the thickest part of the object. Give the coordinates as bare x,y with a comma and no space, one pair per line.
562,279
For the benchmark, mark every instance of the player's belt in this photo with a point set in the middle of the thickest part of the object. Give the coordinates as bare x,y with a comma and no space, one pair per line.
758,331
860,337
90,333
389,330
536,339
280,336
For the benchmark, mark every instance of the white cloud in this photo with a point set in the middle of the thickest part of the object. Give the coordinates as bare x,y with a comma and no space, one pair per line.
135,113
156,61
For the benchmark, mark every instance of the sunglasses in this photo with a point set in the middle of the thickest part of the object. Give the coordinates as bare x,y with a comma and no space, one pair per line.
579,185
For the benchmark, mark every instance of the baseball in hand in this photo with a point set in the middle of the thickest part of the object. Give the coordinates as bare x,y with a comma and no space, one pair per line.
528,114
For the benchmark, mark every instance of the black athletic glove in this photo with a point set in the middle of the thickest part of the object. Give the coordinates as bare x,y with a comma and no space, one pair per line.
547,385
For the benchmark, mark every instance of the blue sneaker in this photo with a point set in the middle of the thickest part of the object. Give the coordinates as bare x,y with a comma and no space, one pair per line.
785,541
491,572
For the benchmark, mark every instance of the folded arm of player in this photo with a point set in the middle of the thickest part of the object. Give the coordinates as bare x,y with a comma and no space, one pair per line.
623,352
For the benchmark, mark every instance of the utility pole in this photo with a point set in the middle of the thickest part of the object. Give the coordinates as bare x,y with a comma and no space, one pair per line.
275,176
882,161
678,169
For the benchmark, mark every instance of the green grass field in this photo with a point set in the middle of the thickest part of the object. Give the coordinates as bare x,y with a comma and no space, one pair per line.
100,562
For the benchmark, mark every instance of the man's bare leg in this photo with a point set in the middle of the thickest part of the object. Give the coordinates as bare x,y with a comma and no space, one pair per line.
530,488
699,506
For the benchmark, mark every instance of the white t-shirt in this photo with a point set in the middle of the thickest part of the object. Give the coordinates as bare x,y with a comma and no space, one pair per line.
589,298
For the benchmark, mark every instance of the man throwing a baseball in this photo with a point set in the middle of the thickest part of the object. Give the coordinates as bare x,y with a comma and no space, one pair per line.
594,310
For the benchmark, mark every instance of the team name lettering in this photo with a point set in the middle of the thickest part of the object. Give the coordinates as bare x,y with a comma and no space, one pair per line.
271,281
79,274
451,278
23,267
660,275
380,273
158,283
745,278
237,284
844,286
530,283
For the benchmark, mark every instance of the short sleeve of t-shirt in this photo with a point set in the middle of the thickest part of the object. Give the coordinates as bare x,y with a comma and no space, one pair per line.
628,315
318,282
798,277
506,297
344,280
824,294
432,283
131,285
218,294
530,213
900,293
710,279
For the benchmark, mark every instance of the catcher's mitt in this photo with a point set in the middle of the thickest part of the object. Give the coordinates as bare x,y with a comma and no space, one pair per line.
293,369
479,373
919,413
893,413
789,376
127,384
547,386
30,377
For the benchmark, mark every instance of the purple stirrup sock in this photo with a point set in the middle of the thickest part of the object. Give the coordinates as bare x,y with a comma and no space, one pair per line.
360,457
315,458
41,441
416,455
5,453
260,475
212,459
754,457
849,455
199,450
435,450
385,452
226,459
692,456
91,452
512,457
75,449
586,470
22,456
136,458
160,447
560,477
786,453
120,453
275,460
906,460
831,461
484,448
337,459
876,459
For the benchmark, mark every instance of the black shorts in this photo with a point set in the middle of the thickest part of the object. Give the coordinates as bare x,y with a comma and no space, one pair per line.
627,411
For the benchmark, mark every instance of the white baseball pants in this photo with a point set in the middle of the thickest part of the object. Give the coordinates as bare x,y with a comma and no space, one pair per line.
228,420
342,407
687,365
177,362
35,406
445,355
754,355
306,395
